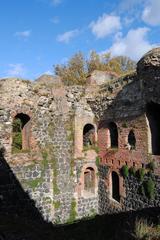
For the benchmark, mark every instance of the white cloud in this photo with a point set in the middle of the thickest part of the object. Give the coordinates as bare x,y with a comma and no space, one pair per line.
16,70
151,13
133,45
105,25
56,2
23,34
49,72
55,20
130,5
128,20
67,36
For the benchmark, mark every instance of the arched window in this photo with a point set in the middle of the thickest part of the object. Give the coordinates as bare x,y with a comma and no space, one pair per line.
89,179
115,187
21,133
153,116
132,140
88,135
113,135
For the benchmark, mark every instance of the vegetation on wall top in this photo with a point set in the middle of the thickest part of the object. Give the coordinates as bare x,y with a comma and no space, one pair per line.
78,67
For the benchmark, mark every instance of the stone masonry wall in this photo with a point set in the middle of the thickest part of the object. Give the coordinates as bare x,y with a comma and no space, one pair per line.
49,176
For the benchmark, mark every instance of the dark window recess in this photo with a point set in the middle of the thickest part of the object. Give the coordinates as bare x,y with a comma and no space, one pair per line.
153,115
132,140
89,179
88,135
113,135
21,132
115,187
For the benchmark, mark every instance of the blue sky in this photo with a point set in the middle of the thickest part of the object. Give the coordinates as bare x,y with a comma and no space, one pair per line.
36,34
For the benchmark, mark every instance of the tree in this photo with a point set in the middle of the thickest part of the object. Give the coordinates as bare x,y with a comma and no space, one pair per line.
78,68
74,71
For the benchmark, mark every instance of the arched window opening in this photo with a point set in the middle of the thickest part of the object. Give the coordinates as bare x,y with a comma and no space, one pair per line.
153,116
21,133
113,135
88,135
132,140
115,187
89,180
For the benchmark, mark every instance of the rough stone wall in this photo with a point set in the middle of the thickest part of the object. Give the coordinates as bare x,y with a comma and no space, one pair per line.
135,197
50,175
125,105
47,171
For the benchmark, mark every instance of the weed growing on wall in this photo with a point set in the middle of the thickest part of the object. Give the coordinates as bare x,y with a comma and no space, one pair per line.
97,161
149,187
73,213
125,171
141,174
132,171
151,166
57,204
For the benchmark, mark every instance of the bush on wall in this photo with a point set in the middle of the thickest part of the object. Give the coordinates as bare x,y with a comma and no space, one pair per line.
125,171
149,187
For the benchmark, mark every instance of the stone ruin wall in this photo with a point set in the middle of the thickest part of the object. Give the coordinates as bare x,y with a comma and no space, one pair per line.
52,171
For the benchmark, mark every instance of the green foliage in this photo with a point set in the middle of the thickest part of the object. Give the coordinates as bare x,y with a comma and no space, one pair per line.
45,158
55,187
57,204
74,71
34,183
151,166
72,167
141,229
125,171
124,125
17,125
73,213
141,174
91,147
146,231
149,187
17,136
96,148
17,142
78,67
97,160
132,171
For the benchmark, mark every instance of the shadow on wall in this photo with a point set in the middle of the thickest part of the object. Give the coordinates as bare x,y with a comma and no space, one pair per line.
21,220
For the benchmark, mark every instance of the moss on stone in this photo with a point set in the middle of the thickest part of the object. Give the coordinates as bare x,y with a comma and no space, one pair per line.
97,160
57,204
34,183
73,213
72,167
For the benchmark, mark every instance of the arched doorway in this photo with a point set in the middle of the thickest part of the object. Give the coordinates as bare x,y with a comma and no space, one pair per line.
88,135
89,180
21,132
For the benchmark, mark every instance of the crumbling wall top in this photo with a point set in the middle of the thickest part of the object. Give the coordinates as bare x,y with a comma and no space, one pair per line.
150,60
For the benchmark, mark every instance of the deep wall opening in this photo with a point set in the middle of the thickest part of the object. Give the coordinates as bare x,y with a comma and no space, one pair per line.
115,187
153,116
21,132
89,179
132,139
88,135
113,135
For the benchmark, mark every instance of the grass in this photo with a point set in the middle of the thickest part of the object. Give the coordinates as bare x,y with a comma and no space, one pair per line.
141,229
145,231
